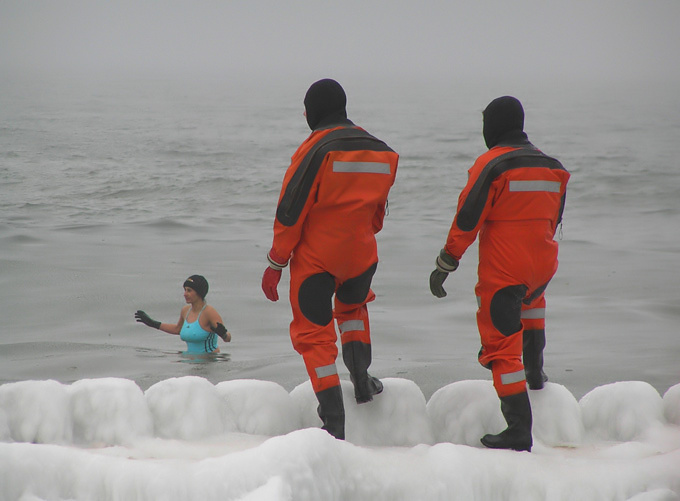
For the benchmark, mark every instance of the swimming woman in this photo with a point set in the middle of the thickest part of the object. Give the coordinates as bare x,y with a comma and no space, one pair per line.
199,323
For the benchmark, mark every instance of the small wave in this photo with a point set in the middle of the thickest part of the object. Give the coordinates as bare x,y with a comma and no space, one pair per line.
203,358
23,239
663,211
80,227
35,205
124,192
166,224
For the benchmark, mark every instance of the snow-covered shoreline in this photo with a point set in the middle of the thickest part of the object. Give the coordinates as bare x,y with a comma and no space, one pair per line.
185,438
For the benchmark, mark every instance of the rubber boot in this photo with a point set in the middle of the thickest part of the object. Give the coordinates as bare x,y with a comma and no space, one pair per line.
331,410
357,358
516,410
534,343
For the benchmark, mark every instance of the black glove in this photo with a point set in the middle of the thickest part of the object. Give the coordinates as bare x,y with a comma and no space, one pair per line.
436,283
445,265
147,320
221,331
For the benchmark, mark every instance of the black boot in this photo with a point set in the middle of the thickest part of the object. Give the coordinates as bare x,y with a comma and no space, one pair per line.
516,410
332,411
357,358
534,343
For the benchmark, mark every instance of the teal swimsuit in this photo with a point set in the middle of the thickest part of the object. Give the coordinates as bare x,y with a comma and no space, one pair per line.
197,339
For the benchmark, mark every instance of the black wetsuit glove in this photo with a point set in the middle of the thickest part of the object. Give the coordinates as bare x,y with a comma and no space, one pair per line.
445,265
221,331
147,320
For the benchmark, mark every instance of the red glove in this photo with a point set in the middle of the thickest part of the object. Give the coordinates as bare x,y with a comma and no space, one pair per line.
272,275
270,279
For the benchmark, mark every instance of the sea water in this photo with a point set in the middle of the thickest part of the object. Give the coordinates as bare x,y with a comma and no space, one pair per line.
113,191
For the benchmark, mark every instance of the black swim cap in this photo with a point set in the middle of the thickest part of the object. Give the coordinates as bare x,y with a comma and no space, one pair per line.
197,283
502,115
324,99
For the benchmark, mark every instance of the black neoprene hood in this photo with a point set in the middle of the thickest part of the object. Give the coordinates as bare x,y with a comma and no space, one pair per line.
324,98
502,115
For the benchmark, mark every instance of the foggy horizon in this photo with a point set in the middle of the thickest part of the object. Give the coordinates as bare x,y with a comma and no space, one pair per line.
302,40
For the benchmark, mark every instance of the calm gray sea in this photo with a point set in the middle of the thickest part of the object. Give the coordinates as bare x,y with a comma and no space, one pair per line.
112,192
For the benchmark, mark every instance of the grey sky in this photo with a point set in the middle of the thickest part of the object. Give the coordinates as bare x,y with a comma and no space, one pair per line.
567,39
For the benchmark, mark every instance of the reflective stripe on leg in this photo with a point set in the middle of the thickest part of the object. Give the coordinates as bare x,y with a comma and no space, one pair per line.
326,370
533,313
512,377
351,325
353,321
508,377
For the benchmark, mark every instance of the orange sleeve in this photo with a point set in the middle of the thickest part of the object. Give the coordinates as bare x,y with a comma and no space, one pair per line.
458,240
286,237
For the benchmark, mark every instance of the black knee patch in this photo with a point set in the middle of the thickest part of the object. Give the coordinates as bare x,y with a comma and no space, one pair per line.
355,290
506,309
315,296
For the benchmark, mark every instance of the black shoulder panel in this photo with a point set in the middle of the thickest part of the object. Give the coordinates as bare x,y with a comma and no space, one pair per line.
297,191
471,211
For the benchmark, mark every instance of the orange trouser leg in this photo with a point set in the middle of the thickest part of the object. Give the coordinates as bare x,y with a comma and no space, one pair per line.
353,322
501,332
312,330
533,314
351,314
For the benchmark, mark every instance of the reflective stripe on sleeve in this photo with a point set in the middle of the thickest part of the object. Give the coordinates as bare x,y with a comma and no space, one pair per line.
533,313
326,370
362,167
512,377
351,325
550,186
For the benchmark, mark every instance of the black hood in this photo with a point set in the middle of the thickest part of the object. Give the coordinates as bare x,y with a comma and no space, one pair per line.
502,115
325,100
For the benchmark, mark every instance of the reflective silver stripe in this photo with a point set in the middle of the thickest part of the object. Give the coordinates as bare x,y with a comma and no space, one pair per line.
364,167
351,325
512,377
534,313
325,371
551,186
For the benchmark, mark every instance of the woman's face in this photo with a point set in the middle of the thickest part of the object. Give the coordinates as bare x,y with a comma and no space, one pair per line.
190,295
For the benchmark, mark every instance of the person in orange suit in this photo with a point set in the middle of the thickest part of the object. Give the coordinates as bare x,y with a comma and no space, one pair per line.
514,200
332,203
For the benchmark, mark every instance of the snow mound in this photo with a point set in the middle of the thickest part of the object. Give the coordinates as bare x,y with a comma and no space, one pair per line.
557,416
109,411
188,408
621,411
37,412
395,417
671,404
260,407
464,411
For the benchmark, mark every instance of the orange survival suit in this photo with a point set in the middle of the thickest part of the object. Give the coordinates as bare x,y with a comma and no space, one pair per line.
332,203
514,200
